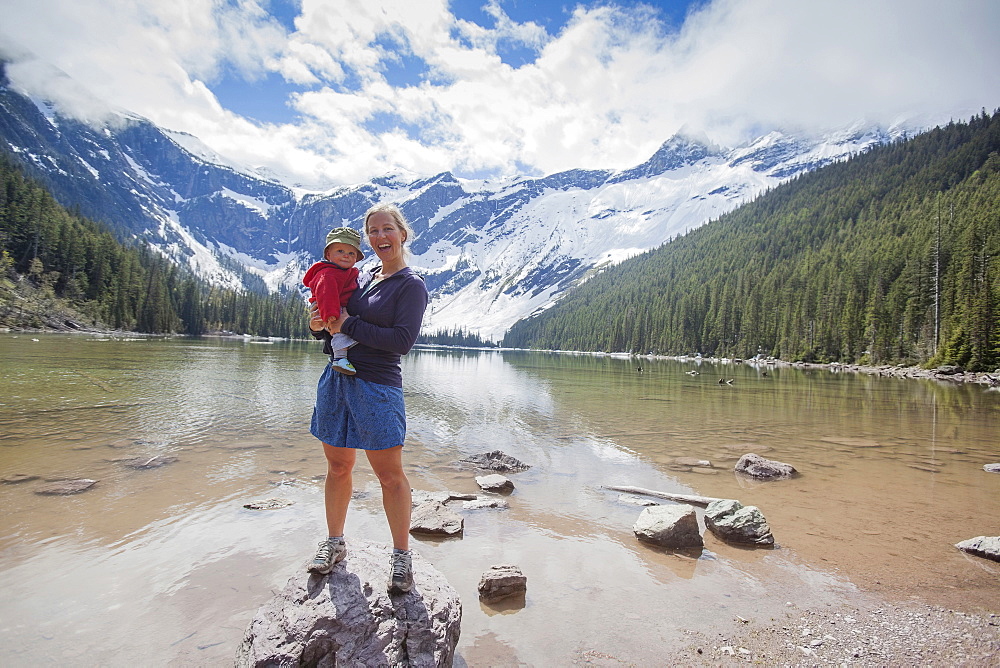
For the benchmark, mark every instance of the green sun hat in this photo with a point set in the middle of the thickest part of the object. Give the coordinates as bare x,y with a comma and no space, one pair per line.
344,235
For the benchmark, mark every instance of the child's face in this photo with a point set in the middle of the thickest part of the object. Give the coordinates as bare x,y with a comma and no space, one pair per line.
342,255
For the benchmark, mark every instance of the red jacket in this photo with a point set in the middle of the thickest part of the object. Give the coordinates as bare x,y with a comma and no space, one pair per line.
331,287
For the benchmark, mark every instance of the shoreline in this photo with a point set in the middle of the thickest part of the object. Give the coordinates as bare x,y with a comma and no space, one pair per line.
947,373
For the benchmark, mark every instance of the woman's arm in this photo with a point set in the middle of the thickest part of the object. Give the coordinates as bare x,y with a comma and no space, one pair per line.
411,302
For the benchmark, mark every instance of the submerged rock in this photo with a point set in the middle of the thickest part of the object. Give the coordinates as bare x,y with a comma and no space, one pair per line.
987,547
732,521
141,463
757,467
346,618
480,504
65,487
502,581
669,526
18,478
268,504
496,461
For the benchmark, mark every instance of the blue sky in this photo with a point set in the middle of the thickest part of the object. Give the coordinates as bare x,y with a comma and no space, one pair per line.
265,99
330,92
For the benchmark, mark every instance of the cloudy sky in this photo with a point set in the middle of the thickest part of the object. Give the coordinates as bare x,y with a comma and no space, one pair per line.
329,92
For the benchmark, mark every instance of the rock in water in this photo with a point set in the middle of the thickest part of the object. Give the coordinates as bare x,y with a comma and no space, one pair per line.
436,519
758,467
496,460
495,482
346,618
732,521
268,504
65,487
502,581
987,547
669,526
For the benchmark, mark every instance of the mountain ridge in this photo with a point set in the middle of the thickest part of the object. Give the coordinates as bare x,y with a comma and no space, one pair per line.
492,252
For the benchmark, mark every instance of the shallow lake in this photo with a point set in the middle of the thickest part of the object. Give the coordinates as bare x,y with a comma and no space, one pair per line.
164,565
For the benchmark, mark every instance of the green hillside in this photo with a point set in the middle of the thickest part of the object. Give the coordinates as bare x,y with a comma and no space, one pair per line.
60,270
890,257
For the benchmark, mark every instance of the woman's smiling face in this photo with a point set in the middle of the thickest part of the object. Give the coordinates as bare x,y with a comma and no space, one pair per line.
385,236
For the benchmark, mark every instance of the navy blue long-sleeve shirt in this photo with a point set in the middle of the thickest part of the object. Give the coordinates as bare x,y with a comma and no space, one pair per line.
385,321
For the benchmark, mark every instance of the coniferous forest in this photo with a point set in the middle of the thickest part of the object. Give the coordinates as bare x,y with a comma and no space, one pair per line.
890,257
52,257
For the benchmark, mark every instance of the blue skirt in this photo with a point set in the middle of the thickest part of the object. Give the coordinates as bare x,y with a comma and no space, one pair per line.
354,413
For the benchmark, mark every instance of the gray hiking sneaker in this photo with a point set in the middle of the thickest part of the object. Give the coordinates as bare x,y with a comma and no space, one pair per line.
327,554
401,579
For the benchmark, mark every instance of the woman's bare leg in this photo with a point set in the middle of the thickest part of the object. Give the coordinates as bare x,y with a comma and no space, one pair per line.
339,486
396,497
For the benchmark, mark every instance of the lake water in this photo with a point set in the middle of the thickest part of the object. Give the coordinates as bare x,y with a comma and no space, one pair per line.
164,566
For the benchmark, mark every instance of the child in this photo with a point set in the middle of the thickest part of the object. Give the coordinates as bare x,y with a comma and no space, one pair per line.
332,281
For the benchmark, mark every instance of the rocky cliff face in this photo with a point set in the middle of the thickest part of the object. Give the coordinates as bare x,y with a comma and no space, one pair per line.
491,252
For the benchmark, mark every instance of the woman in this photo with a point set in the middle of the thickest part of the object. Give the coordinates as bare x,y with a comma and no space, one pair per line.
365,411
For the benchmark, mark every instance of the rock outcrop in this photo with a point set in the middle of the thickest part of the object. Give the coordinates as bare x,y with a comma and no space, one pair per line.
756,466
346,618
733,522
673,526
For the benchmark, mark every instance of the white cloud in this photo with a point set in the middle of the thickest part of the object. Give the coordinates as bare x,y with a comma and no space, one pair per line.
603,93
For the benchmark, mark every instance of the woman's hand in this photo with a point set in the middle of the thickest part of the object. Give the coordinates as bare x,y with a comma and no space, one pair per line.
316,323
334,326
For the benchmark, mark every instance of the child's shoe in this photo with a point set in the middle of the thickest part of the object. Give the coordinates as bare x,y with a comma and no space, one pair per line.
343,366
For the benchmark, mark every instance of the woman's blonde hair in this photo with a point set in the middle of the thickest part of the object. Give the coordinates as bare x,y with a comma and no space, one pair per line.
397,217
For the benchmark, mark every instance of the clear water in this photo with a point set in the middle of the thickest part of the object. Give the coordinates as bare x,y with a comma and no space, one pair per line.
165,566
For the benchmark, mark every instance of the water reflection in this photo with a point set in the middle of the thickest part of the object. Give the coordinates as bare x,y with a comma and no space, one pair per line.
891,477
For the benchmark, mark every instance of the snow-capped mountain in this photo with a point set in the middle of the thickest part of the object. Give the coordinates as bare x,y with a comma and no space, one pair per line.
490,252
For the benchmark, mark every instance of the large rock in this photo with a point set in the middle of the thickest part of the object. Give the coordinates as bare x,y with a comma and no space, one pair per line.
502,581
987,547
496,460
436,519
346,618
758,467
733,522
673,526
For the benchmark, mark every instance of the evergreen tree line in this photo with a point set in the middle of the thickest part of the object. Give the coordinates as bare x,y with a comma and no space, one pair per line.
457,336
889,257
123,286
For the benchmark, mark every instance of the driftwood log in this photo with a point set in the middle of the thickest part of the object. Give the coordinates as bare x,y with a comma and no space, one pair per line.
693,499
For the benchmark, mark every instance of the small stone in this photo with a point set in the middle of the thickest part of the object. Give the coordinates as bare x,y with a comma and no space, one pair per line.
495,483
502,581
